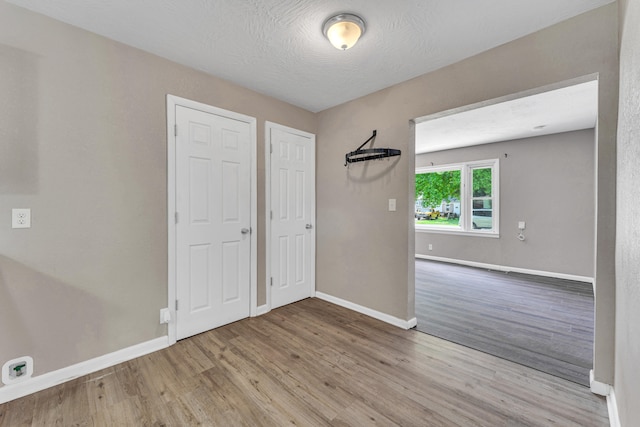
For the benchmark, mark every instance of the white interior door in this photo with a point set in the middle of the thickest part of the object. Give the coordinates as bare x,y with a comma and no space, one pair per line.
213,198
292,236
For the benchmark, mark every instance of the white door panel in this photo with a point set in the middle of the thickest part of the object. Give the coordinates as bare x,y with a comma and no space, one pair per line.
292,171
213,194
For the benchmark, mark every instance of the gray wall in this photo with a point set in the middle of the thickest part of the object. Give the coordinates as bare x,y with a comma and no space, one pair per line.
83,144
547,181
627,376
365,253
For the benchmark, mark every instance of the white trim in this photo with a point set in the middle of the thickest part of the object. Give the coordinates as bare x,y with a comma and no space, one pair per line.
612,406
171,211
395,321
267,214
254,215
262,309
508,269
53,378
598,387
268,126
172,103
455,231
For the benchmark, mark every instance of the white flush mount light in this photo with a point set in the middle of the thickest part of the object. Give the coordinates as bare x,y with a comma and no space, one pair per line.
343,30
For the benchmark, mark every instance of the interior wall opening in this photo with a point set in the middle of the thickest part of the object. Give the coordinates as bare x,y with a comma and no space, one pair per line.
520,284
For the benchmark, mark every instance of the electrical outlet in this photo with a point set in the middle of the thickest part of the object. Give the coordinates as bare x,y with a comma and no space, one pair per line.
430,247
521,225
20,218
17,370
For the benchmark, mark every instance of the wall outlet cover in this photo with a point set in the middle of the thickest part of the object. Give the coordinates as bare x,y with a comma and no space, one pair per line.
21,218
16,370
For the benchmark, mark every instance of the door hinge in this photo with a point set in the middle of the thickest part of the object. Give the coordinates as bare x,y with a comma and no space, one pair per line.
271,148
271,281
176,305
176,217
271,214
175,130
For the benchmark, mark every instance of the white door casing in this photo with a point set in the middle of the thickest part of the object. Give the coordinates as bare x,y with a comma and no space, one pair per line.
211,244
291,213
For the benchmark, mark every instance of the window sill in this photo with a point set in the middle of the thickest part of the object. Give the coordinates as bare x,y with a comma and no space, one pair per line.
490,234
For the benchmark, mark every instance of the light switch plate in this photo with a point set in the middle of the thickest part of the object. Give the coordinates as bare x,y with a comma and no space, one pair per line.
165,316
20,218
392,205
521,225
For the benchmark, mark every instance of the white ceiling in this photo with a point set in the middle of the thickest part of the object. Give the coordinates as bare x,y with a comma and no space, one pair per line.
561,110
276,47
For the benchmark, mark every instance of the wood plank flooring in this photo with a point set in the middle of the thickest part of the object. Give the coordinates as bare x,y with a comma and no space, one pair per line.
312,364
540,322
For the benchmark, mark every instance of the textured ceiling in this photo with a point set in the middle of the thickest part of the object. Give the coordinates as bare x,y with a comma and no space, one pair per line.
561,110
276,47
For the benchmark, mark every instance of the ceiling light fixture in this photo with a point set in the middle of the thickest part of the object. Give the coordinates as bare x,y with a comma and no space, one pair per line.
343,30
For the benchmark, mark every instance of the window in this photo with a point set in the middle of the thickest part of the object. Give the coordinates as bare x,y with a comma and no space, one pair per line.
459,198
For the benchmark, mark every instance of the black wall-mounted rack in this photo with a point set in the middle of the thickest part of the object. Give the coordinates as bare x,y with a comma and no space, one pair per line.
360,155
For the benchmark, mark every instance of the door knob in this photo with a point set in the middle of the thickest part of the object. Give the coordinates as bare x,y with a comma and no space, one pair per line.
308,226
245,231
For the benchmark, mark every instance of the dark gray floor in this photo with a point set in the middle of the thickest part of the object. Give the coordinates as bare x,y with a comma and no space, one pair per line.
540,322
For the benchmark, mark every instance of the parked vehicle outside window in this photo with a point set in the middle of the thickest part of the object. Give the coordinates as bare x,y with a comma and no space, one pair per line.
427,214
482,219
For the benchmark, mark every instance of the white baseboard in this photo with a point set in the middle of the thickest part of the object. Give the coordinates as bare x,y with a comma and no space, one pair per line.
509,269
262,309
395,321
50,379
612,406
598,387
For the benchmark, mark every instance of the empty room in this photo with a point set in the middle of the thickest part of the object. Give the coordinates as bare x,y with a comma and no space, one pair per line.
505,253
208,210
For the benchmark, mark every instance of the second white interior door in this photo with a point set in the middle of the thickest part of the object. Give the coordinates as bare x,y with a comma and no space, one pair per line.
292,236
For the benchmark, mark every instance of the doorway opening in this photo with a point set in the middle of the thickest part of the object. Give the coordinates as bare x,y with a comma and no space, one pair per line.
540,222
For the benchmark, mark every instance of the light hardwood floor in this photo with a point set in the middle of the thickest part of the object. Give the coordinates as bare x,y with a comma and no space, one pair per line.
312,364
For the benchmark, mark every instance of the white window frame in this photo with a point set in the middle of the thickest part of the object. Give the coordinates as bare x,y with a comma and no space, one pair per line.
466,192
